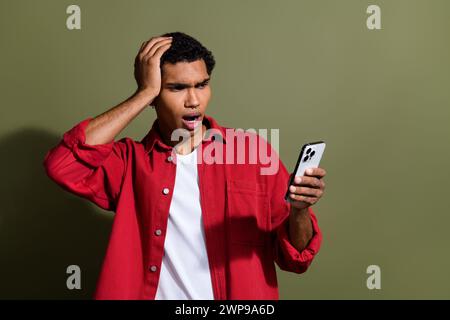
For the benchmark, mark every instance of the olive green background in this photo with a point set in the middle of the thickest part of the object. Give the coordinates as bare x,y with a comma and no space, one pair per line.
380,100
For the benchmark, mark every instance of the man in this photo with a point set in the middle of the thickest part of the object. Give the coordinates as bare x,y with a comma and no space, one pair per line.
186,228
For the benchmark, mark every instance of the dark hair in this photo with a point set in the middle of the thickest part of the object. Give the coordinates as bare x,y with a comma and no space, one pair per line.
185,48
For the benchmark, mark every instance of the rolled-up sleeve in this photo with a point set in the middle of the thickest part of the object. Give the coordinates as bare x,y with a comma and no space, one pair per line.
94,172
287,256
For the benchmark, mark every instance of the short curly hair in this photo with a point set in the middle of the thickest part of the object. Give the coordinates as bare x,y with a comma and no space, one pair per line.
185,48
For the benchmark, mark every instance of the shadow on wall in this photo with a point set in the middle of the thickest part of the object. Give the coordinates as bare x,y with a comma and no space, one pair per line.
44,229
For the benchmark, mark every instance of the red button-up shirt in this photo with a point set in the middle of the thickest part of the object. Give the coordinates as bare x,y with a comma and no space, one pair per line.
244,212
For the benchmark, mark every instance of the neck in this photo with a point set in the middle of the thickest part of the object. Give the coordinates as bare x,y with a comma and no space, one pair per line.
186,145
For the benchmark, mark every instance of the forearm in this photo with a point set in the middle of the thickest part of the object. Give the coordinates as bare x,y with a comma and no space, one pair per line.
300,228
106,126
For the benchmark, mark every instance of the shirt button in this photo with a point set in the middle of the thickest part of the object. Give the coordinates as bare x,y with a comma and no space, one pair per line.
153,268
169,159
158,232
166,190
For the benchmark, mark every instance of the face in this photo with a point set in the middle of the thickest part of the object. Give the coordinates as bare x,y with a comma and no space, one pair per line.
184,97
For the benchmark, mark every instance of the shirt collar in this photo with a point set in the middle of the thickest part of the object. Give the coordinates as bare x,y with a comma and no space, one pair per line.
154,136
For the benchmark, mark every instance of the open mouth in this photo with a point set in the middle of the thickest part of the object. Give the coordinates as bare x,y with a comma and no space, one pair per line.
191,120
191,117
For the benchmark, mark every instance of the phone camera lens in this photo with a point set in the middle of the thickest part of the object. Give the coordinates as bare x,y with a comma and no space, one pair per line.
308,151
312,153
305,159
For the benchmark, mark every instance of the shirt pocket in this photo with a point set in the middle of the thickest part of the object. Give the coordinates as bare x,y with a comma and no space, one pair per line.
247,212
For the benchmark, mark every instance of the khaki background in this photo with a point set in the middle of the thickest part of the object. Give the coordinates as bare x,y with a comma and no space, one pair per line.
380,99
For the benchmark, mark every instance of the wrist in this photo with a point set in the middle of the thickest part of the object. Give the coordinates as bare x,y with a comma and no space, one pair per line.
297,211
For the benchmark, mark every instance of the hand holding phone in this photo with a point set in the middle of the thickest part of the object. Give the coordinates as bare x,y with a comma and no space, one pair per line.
310,156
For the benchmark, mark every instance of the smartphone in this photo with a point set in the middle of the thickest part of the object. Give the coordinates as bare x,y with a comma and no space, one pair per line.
309,157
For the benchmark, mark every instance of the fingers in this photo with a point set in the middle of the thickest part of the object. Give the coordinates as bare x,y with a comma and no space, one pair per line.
310,200
158,49
308,195
305,191
308,188
142,46
316,172
311,182
148,45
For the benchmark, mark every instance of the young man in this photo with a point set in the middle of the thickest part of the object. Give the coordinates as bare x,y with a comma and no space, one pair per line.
186,227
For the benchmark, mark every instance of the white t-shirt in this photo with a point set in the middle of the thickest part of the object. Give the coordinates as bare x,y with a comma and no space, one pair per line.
185,271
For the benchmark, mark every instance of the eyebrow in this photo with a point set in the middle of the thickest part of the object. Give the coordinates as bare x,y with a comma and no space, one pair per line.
186,85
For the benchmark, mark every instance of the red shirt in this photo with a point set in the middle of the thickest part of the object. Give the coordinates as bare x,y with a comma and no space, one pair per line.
244,212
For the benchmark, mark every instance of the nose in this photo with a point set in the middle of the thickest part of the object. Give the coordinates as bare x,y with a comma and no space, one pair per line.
191,99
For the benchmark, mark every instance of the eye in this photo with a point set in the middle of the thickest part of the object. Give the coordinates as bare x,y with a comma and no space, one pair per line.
202,85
